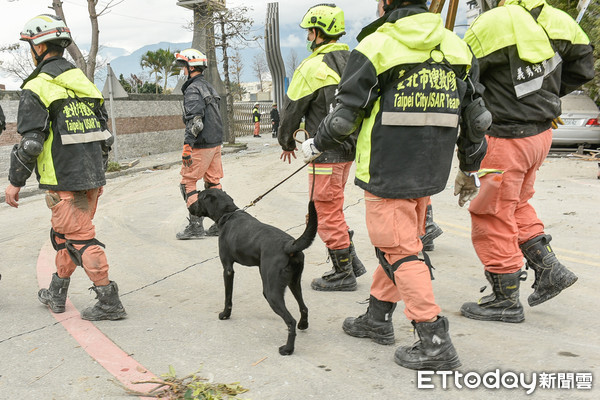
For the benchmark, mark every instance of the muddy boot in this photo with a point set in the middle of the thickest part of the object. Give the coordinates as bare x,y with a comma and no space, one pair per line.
108,306
432,230
551,277
357,266
213,230
341,277
55,296
434,350
376,323
194,229
503,304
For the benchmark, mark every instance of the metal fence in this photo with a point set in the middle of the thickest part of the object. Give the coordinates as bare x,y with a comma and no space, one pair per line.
242,118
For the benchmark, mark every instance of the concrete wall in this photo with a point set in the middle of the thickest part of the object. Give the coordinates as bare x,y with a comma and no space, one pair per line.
146,124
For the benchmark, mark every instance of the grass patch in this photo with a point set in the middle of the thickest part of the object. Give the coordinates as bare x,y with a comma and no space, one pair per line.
113,166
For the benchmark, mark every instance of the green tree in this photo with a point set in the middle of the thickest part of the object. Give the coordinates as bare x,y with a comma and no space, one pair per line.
151,60
126,85
590,23
161,63
148,87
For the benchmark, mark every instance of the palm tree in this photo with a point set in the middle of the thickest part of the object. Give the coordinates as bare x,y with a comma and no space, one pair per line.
161,63
167,65
151,61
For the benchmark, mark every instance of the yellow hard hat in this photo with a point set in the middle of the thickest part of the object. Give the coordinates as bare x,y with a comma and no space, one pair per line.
327,17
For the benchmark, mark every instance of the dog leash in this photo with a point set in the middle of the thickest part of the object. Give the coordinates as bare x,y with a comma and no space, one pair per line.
306,136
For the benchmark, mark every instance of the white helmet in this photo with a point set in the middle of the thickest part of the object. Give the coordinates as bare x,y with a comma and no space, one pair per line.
191,57
47,28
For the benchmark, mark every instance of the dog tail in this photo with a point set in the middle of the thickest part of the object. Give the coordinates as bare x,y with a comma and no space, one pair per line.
307,237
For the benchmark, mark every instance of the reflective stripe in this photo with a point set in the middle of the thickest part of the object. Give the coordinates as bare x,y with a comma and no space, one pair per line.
45,163
534,85
85,137
419,119
485,171
321,171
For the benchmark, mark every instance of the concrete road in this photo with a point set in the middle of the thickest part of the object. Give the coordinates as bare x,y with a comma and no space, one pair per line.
173,292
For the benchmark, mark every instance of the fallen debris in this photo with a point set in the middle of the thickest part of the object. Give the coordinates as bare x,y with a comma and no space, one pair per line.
190,387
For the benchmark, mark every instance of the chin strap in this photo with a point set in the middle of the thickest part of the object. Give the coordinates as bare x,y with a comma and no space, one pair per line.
38,57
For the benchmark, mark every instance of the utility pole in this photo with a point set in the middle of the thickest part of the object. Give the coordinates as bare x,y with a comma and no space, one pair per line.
204,40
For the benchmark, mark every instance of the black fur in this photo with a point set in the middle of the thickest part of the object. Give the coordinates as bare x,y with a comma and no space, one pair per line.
245,240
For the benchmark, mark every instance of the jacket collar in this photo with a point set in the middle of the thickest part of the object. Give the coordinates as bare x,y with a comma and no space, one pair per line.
392,17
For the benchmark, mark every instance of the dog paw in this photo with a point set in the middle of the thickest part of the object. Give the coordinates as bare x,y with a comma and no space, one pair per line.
302,325
224,315
285,350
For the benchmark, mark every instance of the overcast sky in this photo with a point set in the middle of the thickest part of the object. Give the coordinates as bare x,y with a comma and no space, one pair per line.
135,23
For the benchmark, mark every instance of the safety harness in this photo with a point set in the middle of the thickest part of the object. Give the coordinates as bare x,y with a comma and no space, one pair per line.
390,269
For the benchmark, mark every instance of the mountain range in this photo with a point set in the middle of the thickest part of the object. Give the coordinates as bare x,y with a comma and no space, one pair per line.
123,63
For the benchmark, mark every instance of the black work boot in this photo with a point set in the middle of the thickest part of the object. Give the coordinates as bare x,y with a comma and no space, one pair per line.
108,306
213,230
55,296
340,277
194,229
432,230
357,266
551,277
376,323
503,304
434,350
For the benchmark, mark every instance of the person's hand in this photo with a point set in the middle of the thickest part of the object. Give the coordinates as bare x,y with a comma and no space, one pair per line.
310,150
466,186
556,122
100,191
287,156
186,156
12,195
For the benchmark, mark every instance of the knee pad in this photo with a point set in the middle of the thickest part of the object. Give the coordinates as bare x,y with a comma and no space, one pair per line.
75,254
186,195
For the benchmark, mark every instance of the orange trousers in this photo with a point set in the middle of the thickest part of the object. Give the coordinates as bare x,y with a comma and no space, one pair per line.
256,128
394,226
72,216
328,195
501,216
206,165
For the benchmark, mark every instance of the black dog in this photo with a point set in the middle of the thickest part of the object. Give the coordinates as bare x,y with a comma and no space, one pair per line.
247,241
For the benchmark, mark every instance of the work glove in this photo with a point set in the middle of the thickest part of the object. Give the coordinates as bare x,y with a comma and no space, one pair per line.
466,186
186,157
310,150
197,125
556,122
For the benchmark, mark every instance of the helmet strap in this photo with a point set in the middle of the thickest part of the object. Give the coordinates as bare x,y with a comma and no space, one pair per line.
38,57
314,43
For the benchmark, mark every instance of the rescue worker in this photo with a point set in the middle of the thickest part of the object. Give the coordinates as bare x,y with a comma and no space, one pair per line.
310,95
256,120
408,82
201,157
274,120
2,121
63,124
530,55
